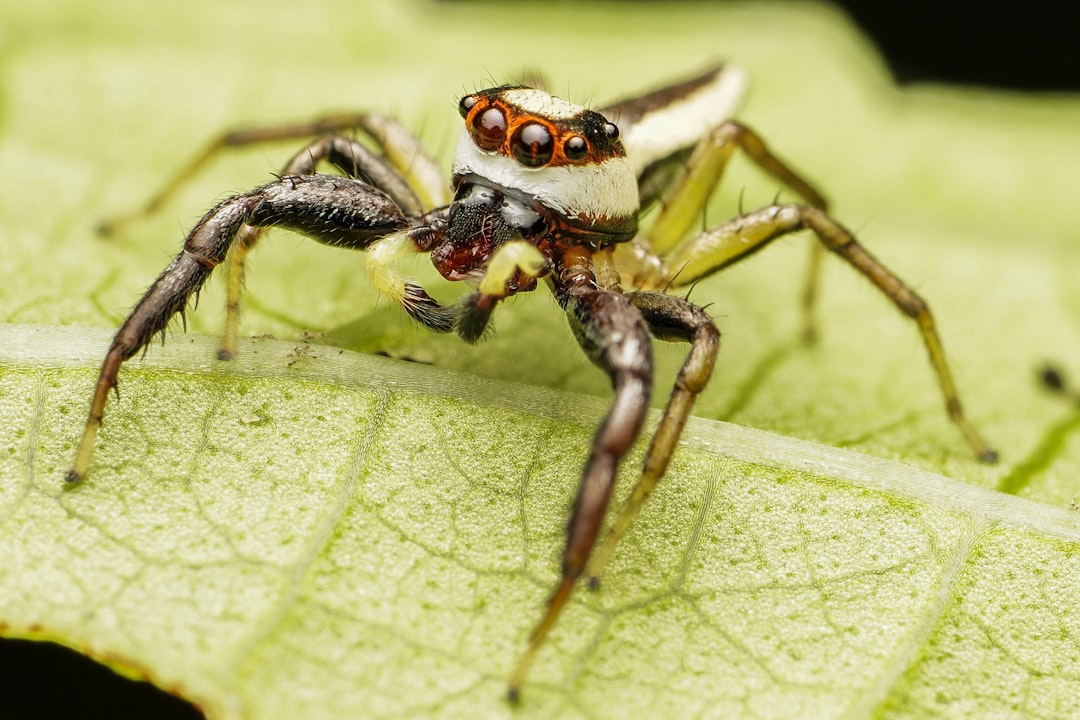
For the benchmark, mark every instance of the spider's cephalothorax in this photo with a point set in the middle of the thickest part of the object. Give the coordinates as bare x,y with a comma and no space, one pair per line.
561,160
536,169
541,189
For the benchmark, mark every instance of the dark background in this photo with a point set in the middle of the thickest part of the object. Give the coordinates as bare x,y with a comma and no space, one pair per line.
1019,45
1024,46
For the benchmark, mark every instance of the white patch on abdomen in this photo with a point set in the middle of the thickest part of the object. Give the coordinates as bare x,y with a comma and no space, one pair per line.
683,123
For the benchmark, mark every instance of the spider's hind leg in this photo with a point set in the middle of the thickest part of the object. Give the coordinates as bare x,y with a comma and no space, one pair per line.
730,242
400,147
514,264
682,206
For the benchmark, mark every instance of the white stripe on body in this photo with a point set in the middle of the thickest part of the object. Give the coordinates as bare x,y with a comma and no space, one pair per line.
682,124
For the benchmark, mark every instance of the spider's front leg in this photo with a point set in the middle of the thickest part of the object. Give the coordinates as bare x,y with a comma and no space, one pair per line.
332,210
615,337
403,170
673,319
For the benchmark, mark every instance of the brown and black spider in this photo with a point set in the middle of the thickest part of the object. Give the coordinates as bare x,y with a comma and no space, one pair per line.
542,189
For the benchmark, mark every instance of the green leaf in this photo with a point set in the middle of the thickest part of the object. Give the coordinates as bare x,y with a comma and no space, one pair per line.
315,531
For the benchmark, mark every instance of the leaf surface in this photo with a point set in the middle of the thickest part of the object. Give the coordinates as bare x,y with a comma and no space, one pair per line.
314,531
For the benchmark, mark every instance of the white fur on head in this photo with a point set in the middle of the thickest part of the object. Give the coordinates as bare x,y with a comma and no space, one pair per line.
606,189
538,102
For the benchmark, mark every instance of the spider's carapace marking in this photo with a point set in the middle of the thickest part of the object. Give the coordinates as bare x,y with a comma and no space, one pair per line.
541,189
525,141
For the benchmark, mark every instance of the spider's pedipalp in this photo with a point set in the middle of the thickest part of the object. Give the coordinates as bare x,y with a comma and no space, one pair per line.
513,267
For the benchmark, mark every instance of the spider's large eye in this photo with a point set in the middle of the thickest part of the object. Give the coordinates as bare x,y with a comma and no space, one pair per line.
489,129
466,104
575,147
532,145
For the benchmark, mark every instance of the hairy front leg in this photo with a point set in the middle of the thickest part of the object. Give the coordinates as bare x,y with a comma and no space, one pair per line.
333,210
351,158
204,248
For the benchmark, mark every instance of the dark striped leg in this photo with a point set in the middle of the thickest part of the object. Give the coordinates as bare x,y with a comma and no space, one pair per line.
673,319
613,334
351,158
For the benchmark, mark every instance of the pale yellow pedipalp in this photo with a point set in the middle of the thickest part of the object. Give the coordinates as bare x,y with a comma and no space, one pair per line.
508,259
380,256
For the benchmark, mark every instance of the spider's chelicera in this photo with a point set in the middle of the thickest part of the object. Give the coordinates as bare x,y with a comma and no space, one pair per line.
542,189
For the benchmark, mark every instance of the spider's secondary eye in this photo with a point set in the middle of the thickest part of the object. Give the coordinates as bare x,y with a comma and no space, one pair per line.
533,145
466,105
611,130
575,147
489,129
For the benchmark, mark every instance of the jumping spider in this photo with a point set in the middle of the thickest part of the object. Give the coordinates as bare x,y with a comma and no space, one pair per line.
542,190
